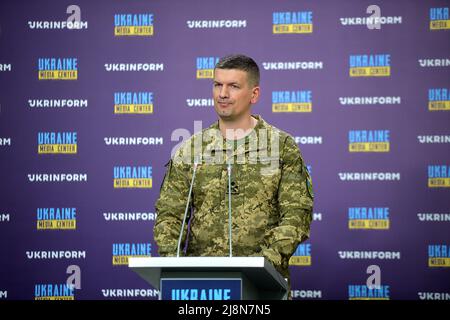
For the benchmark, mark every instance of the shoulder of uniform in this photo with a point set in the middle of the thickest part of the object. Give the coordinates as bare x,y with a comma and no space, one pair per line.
288,146
183,151
284,136
186,148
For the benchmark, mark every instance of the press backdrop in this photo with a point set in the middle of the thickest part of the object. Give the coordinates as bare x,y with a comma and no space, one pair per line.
94,91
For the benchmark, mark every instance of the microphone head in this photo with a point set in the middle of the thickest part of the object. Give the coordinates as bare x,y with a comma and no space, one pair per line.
196,162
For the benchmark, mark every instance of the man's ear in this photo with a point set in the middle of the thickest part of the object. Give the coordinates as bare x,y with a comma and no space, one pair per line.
255,95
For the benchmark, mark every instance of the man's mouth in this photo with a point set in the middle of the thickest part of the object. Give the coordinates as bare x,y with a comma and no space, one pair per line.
223,104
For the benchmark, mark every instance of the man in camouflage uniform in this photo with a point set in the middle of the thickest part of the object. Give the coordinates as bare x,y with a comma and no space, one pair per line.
271,191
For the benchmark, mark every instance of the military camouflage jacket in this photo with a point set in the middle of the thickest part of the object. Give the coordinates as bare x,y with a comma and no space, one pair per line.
271,196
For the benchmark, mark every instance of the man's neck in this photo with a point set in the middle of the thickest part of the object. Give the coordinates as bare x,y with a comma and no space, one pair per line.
237,129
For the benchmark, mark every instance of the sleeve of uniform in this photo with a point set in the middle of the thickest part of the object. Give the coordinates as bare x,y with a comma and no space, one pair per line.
170,208
295,199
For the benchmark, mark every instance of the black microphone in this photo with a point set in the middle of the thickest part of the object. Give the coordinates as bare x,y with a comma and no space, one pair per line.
187,206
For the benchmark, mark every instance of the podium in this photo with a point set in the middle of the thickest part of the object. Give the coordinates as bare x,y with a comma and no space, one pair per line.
212,278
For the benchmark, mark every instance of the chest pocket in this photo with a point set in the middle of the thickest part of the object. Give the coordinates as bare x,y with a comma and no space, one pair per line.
262,178
208,178
208,189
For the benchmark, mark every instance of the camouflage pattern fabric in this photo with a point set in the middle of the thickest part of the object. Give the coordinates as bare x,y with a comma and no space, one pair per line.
272,196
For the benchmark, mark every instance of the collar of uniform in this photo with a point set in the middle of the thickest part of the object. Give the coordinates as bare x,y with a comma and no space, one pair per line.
261,123
219,143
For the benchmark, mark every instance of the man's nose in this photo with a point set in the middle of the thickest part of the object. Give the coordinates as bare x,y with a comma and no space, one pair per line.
223,92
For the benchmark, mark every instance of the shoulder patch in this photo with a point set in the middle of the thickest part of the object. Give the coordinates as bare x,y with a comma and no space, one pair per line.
308,183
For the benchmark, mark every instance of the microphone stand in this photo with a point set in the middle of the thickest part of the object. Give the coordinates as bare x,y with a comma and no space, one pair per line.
229,207
187,207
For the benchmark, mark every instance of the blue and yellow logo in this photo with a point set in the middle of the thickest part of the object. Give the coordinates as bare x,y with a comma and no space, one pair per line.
301,256
362,292
56,218
372,65
292,22
57,142
58,68
121,252
368,141
132,177
133,24
439,19
133,102
438,176
205,67
438,255
53,292
368,218
292,101
438,99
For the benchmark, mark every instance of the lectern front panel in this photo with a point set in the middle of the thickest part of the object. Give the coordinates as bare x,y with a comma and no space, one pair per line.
200,289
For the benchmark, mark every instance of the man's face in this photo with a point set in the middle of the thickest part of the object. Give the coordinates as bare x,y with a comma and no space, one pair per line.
233,95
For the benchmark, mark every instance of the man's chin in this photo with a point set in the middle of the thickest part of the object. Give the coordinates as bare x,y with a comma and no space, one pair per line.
226,117
225,114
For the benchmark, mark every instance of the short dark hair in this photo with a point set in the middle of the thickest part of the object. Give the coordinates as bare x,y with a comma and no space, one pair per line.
240,62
